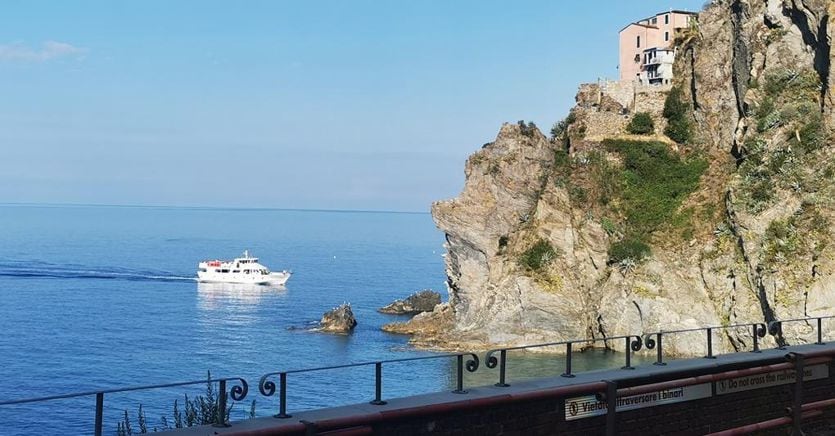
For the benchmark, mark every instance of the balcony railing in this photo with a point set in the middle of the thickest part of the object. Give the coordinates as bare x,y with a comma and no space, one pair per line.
465,361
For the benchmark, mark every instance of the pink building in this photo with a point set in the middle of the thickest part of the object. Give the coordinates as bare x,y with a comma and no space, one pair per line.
646,51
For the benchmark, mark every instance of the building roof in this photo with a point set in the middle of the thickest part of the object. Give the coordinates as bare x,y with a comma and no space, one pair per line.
648,26
679,11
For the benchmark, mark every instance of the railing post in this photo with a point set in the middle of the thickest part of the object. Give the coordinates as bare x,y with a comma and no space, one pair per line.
567,372
775,328
99,413
659,356
710,344
378,384
628,354
502,368
756,340
221,406
797,403
611,408
820,332
459,389
282,397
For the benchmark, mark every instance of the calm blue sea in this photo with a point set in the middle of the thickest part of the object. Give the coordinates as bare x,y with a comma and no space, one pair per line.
102,297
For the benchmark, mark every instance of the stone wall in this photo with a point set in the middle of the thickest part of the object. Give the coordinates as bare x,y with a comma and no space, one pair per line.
606,107
622,91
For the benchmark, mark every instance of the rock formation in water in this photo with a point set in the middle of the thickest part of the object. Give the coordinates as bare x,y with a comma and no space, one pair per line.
421,301
724,215
338,320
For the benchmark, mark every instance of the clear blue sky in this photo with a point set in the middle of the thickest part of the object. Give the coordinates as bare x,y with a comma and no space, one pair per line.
303,104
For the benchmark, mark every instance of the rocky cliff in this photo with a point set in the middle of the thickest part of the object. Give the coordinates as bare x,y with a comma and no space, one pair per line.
722,214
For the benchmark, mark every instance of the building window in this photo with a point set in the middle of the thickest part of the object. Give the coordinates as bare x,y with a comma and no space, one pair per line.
666,19
655,20
639,42
666,36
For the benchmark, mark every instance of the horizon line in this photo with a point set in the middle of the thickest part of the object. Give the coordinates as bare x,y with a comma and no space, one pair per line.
241,208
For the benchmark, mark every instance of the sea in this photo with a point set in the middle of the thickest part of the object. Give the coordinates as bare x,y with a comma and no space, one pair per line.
104,297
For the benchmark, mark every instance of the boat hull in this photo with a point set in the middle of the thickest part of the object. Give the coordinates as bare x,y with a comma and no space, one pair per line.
275,278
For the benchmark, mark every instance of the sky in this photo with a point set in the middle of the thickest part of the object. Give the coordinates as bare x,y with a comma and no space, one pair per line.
361,105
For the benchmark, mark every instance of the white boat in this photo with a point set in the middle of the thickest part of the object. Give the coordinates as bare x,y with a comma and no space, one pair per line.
245,269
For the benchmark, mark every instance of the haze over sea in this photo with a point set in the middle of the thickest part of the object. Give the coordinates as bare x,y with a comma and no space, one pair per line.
102,297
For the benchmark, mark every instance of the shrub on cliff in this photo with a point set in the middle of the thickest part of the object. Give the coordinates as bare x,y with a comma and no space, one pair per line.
528,129
538,255
629,248
559,128
679,126
654,182
641,124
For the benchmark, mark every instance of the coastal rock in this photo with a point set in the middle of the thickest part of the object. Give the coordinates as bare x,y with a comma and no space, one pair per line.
421,301
431,330
338,320
531,239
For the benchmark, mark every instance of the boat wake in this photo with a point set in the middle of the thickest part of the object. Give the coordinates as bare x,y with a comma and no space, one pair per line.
34,269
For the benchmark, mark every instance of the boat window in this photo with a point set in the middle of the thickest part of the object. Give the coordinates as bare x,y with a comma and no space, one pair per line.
224,270
202,269
236,270
246,271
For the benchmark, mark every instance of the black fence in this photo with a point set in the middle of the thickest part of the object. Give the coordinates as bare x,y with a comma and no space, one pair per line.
464,361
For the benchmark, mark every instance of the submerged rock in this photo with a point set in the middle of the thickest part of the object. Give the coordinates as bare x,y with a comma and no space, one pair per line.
338,320
421,301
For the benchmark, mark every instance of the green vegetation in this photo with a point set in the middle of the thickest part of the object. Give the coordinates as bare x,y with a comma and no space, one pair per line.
679,125
609,226
559,128
577,194
653,184
774,35
528,129
790,127
781,240
477,158
641,124
633,199
559,131
201,410
628,249
656,181
562,168
804,234
605,175
538,256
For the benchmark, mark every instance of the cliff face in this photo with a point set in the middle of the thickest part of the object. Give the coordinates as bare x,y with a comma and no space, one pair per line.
597,233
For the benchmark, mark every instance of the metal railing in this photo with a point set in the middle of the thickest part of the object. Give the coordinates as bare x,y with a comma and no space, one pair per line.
654,340
237,393
464,361
633,343
267,387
